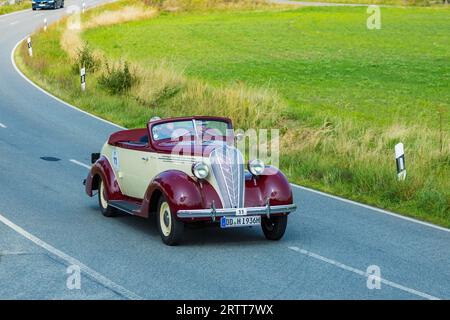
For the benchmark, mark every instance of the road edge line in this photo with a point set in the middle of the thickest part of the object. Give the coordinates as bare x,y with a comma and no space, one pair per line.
366,206
51,95
107,283
13,13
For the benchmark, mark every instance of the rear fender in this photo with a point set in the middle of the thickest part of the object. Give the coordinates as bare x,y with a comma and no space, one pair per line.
102,169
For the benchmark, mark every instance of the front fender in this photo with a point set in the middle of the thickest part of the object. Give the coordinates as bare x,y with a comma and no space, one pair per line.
272,185
181,191
102,169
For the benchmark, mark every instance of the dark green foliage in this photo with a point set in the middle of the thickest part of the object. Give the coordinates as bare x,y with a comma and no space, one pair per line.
117,79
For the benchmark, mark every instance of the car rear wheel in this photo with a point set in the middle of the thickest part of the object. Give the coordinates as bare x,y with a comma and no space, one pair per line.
274,227
105,208
170,229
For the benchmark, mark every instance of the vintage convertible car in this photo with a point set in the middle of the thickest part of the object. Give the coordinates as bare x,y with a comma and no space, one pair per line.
187,170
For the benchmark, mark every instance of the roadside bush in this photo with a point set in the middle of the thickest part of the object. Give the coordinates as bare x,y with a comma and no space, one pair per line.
117,79
86,58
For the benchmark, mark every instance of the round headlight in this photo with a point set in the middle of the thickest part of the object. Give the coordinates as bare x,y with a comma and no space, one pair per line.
200,170
256,167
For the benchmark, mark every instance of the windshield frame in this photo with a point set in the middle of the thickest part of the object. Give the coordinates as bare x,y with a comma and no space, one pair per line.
195,136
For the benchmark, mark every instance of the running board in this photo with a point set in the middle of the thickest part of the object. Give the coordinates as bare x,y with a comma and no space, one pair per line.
126,206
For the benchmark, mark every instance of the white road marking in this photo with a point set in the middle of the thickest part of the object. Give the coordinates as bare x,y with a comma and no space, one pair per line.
295,185
80,163
14,22
362,273
72,261
3,126
372,208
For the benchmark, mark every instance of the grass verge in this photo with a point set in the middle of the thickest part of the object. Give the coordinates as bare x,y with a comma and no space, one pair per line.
8,8
342,95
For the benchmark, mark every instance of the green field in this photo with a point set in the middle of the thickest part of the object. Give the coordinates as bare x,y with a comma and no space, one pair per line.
386,2
324,61
342,95
7,8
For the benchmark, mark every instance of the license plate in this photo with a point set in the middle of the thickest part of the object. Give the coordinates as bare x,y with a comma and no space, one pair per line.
233,222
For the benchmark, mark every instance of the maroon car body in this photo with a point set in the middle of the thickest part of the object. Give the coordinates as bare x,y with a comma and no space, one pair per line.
153,171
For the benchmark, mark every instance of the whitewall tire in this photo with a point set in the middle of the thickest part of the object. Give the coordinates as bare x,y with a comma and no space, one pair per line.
105,208
170,229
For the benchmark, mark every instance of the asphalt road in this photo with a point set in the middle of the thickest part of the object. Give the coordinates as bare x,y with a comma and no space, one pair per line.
47,223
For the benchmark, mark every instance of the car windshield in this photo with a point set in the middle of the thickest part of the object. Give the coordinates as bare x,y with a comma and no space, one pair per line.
204,130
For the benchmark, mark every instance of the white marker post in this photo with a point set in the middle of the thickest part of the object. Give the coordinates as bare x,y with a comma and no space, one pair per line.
45,24
83,78
400,160
30,48
83,6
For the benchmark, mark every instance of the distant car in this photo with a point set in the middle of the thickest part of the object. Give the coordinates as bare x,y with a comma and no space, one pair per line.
47,4
187,170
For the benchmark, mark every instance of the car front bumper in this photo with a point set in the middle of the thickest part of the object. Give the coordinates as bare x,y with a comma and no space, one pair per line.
46,5
231,212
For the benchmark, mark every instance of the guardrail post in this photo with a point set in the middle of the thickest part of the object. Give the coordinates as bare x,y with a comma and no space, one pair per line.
30,47
400,160
83,78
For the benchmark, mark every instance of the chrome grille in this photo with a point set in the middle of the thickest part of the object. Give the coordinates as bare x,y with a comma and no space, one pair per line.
227,165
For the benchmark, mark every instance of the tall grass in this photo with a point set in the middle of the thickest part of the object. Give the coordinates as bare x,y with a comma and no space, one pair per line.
183,5
162,85
343,153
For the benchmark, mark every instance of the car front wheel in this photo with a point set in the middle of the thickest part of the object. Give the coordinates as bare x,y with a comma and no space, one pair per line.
105,208
170,229
274,227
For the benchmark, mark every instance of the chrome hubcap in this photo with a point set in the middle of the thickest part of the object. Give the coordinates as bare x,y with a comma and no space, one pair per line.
165,219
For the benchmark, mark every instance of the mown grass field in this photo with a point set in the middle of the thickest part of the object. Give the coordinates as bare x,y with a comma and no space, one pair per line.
324,61
422,3
343,95
8,8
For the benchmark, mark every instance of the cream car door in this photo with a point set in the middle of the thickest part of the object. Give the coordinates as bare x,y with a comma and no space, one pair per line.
136,171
